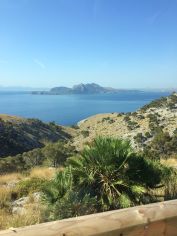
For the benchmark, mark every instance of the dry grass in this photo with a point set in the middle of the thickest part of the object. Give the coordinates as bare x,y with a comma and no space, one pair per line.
5,197
172,162
38,172
4,217
32,215
43,173
11,118
7,178
34,211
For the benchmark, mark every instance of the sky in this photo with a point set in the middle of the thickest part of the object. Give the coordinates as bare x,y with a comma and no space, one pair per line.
115,43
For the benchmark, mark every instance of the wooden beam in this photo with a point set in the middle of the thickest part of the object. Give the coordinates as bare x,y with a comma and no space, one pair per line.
158,219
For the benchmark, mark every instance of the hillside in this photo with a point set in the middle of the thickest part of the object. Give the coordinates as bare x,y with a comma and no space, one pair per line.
81,89
18,135
140,127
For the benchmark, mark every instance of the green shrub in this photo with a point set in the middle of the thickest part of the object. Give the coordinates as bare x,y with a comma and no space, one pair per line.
85,133
162,145
106,119
75,126
132,125
32,185
109,119
139,138
57,153
148,135
127,118
141,117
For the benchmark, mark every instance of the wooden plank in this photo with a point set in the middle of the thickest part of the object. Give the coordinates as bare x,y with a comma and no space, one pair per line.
159,219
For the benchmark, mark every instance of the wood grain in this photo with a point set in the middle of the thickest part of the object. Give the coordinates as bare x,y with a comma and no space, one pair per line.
159,219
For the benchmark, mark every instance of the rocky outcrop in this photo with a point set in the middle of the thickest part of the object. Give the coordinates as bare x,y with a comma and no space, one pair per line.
19,205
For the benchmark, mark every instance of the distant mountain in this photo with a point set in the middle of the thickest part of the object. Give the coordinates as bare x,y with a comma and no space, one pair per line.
91,88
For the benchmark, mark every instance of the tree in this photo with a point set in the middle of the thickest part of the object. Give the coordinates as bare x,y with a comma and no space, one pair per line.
34,157
56,153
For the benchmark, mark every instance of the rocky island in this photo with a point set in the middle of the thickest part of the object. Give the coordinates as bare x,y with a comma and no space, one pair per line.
91,88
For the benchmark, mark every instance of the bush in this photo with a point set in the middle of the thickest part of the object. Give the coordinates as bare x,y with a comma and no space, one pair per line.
132,125
162,145
106,119
111,121
148,135
32,185
85,133
72,205
57,153
75,126
139,138
141,117
153,118
127,118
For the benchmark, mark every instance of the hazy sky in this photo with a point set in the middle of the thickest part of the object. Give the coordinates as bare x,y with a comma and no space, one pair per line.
119,43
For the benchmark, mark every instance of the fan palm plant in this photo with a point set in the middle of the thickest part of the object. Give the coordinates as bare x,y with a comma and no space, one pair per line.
59,186
63,200
111,171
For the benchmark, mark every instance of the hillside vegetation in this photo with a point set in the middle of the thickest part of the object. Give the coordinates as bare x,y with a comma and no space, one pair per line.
18,135
106,175
140,127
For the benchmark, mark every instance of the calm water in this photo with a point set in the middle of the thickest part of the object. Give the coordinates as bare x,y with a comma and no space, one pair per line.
69,109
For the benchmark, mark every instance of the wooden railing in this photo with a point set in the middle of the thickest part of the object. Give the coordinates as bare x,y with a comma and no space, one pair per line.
159,219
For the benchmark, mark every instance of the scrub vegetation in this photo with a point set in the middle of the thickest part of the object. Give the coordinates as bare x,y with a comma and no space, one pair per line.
59,179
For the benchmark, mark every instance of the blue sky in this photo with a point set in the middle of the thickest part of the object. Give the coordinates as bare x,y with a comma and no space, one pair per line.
119,43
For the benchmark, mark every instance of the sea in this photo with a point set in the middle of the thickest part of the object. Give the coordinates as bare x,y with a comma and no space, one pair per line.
70,109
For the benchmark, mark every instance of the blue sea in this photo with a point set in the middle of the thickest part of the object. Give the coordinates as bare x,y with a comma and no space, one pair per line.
69,109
